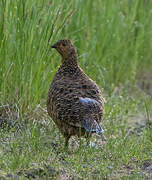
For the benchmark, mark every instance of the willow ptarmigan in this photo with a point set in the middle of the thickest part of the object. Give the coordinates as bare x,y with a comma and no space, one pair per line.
74,101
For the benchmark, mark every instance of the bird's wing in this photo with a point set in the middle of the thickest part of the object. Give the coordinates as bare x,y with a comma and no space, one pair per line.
88,101
89,121
91,125
88,114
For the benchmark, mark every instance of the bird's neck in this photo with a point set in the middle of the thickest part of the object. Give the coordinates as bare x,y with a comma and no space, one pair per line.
70,62
69,66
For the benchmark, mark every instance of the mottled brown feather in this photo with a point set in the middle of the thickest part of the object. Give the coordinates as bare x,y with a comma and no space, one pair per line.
67,103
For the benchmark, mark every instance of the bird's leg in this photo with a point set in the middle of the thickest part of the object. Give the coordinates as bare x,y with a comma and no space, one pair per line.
66,142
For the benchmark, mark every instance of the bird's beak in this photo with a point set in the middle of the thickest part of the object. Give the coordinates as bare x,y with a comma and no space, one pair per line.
54,46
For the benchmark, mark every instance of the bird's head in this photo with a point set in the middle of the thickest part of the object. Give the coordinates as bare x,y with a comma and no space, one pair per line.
65,48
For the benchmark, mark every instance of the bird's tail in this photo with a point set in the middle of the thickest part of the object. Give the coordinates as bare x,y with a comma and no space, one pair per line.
92,126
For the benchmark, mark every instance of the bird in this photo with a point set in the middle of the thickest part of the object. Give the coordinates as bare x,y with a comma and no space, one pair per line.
75,102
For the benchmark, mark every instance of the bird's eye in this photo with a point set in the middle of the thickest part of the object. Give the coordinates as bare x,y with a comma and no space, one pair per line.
64,44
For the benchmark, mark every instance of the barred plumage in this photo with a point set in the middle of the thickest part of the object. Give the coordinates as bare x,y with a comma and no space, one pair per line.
74,101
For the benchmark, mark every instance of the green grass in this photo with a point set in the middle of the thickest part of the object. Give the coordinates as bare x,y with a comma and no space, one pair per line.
114,42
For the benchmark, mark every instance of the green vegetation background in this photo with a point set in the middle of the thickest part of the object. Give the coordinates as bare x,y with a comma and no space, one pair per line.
114,43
